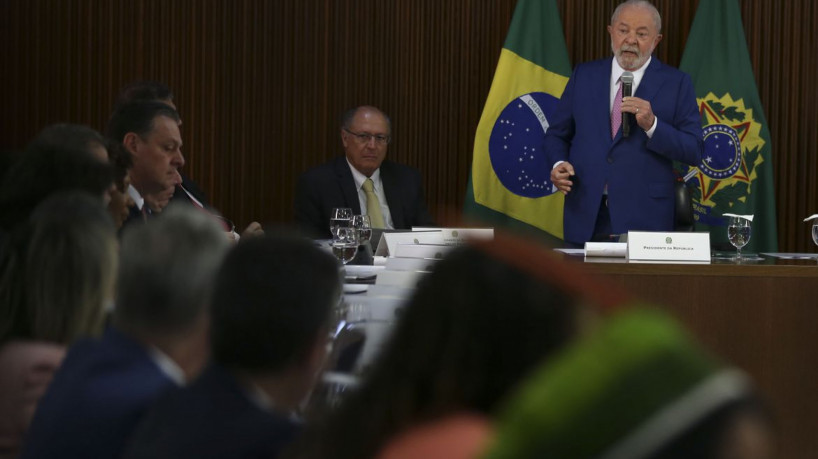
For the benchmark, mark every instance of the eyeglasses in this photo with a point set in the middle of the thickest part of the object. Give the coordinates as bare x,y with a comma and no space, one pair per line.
364,138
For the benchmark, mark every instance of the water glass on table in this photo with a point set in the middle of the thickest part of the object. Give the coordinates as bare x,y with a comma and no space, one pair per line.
738,233
339,220
363,225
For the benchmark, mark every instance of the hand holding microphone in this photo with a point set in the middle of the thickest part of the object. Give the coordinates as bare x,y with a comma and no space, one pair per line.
634,107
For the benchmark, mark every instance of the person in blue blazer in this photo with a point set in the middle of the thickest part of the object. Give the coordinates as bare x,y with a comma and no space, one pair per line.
615,181
158,340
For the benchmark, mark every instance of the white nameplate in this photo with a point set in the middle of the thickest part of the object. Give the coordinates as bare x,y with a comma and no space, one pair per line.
458,236
668,246
405,279
389,241
436,251
606,249
410,264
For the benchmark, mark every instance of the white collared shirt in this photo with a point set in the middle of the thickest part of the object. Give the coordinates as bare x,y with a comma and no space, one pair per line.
167,366
616,73
137,198
359,179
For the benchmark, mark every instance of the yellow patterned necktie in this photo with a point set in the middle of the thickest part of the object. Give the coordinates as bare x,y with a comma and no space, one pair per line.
373,205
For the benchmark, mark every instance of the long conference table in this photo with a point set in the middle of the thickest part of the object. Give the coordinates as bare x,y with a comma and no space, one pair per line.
761,316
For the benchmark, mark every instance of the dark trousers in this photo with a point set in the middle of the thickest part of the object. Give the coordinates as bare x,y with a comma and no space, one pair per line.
603,232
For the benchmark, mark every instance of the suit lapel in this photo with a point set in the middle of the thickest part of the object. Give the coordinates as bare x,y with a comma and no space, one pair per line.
602,91
392,192
651,83
347,183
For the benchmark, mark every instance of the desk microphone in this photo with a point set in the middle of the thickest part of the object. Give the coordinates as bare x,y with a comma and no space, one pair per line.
627,91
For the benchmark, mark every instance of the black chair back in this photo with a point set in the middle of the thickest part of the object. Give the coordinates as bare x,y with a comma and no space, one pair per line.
684,220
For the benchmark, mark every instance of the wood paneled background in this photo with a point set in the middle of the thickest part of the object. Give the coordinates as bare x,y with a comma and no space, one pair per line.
261,84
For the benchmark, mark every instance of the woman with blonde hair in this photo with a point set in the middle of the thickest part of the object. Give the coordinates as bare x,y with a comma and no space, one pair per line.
56,279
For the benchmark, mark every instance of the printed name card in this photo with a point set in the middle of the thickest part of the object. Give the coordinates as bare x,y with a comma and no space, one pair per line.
434,251
668,246
458,236
389,241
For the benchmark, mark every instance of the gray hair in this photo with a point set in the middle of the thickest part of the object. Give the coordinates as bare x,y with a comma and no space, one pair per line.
657,19
349,115
166,271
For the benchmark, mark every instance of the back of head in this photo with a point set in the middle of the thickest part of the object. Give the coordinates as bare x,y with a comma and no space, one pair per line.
272,298
67,136
474,328
143,90
137,117
166,272
637,387
60,272
61,158
70,267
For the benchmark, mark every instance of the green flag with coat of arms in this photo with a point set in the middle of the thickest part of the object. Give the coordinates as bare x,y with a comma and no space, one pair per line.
736,173
510,179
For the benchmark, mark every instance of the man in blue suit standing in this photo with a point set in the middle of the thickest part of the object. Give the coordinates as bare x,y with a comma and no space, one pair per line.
613,156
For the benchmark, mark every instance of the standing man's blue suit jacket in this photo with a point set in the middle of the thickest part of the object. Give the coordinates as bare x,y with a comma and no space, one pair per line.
98,395
638,170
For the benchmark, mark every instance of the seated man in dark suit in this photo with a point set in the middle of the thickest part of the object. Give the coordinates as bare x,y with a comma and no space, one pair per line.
186,192
158,340
149,131
270,314
390,193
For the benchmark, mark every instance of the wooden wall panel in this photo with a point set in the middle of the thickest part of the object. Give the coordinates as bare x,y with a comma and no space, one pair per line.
261,84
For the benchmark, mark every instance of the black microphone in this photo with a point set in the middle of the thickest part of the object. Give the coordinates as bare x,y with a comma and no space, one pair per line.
627,91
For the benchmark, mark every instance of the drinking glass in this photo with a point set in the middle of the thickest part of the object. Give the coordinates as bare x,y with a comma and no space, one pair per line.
339,220
362,224
345,249
738,233
815,232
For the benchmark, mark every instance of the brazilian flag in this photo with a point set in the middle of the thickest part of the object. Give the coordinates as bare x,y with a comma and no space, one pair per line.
736,172
510,182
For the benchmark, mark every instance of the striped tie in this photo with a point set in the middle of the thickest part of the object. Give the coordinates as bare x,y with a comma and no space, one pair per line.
616,112
373,205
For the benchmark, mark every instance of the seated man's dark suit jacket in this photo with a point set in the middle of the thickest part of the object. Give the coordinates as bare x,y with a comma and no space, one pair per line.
212,418
95,400
331,185
179,196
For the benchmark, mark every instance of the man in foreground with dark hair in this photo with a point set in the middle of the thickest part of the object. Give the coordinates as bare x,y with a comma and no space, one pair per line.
270,314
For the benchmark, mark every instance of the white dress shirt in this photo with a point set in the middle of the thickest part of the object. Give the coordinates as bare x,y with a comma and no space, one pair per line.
137,198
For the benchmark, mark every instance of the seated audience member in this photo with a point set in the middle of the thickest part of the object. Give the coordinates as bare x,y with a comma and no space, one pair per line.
187,192
158,340
390,193
269,335
121,202
472,331
62,157
149,131
54,285
636,388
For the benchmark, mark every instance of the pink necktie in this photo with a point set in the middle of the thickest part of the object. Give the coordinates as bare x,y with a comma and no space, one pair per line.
616,112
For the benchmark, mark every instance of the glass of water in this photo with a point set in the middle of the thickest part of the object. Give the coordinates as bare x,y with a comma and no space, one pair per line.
339,220
362,224
738,233
815,232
